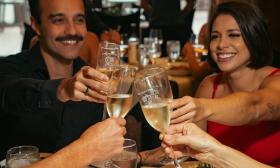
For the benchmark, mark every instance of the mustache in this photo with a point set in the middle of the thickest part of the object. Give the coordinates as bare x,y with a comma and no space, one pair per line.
70,37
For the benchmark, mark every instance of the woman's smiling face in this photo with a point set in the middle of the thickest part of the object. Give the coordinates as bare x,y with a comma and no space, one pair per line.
227,46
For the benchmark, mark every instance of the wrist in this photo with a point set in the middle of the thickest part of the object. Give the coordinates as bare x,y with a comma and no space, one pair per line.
61,91
206,108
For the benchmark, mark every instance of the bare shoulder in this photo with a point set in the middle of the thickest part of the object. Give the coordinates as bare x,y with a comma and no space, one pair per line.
205,88
270,76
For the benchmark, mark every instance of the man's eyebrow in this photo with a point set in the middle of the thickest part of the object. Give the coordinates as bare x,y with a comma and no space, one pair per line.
61,14
55,15
81,15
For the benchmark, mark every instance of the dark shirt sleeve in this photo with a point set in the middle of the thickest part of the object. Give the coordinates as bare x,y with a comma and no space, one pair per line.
22,92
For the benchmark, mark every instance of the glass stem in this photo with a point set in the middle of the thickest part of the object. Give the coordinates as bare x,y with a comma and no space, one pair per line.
176,163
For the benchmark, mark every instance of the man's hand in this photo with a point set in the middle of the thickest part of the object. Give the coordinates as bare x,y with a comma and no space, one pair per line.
87,84
105,139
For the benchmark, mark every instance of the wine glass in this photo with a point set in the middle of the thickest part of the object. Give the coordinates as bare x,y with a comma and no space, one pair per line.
120,97
128,157
154,92
153,46
143,51
156,34
108,60
22,156
173,49
108,57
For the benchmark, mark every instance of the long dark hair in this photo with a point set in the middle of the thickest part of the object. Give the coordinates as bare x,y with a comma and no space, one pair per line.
254,31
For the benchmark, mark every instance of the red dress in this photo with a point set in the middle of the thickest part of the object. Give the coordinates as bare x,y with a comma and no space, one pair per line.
260,141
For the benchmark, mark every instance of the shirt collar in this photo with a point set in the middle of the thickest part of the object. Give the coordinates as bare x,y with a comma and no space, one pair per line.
38,64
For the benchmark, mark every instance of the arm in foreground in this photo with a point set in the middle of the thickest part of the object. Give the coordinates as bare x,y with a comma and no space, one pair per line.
234,109
189,140
98,143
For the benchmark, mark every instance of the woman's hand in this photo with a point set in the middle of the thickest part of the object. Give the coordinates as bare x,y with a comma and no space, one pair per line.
189,140
188,109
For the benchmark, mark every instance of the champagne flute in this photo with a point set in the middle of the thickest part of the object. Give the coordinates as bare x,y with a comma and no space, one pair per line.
108,57
108,60
154,92
120,97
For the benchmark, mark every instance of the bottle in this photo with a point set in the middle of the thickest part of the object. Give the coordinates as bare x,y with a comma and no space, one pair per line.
133,46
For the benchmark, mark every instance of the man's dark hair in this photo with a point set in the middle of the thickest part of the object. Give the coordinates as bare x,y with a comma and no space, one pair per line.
254,31
35,10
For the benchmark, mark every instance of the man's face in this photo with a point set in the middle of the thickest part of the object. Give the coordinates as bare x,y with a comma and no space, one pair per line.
62,28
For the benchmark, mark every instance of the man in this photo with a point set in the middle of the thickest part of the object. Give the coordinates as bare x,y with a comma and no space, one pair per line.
48,97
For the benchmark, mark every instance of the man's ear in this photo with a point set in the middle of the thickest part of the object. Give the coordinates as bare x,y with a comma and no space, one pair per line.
35,26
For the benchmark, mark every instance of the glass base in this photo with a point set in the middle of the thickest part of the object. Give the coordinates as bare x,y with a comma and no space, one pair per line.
169,161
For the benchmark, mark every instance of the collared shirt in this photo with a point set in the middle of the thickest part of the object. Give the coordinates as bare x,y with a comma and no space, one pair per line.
30,113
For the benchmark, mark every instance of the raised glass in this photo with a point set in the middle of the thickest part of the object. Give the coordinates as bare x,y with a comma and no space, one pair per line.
120,97
108,57
154,93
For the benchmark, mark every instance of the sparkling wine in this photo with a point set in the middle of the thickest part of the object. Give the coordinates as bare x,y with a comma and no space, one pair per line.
125,160
118,105
157,115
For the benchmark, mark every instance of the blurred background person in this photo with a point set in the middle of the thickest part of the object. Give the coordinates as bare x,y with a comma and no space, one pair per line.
167,16
97,26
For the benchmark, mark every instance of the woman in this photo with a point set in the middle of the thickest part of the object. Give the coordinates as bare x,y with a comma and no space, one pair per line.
245,95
